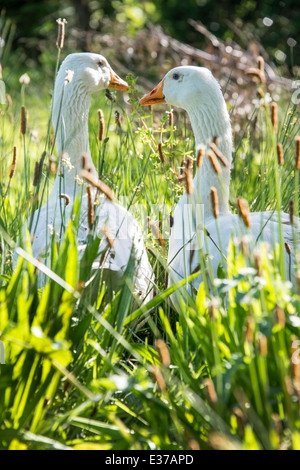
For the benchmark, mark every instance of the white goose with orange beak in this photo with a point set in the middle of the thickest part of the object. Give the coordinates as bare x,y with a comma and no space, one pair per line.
198,240
80,75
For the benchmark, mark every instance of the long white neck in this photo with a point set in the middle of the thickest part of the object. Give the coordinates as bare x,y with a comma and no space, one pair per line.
70,122
209,121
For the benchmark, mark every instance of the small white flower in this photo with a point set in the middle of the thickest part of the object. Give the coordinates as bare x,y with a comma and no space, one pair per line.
65,160
78,180
51,229
24,79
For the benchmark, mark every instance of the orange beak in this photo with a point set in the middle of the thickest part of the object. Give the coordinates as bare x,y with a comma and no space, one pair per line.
155,96
116,83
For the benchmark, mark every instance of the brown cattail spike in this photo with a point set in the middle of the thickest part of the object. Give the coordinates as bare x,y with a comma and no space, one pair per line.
66,198
291,210
288,248
13,163
163,352
37,173
108,235
213,160
279,316
280,154
274,116
98,184
214,201
158,377
263,345
101,125
170,117
90,207
61,32
297,140
200,155
211,391
244,210
249,330
23,120
219,154
189,180
160,153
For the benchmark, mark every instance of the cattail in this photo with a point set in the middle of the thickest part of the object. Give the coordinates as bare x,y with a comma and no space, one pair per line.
156,232
260,63
249,330
101,125
163,352
110,96
297,140
214,161
84,160
291,210
288,248
263,345
214,201
240,417
280,154
189,181
91,212
158,377
200,155
108,235
37,173
274,116
279,316
193,444
61,32
117,119
211,391
219,154
66,198
98,184
23,120
257,74
160,153
244,210
257,262
170,117
13,163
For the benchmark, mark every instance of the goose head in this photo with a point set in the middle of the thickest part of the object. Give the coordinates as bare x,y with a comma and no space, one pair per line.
91,72
186,87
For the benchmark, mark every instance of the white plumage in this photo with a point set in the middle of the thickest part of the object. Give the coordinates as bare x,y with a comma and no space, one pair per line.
80,75
198,92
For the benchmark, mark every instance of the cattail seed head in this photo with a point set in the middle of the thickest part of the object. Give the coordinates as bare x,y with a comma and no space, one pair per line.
158,377
263,345
249,330
213,160
279,316
37,173
170,117
280,154
91,212
84,160
61,32
297,140
288,248
219,154
214,201
211,391
257,74
257,262
98,184
274,116
200,155
156,232
23,120
101,125
13,163
160,153
189,180
244,210
291,210
66,198
163,352
108,235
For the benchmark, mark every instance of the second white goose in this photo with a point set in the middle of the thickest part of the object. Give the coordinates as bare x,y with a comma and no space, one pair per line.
196,91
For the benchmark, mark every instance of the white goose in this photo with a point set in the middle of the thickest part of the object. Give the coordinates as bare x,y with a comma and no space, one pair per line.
196,91
80,75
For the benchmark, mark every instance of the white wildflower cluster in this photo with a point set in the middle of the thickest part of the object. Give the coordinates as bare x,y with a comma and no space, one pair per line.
65,160
24,79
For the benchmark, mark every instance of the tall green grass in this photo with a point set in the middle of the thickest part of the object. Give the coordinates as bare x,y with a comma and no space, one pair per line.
223,373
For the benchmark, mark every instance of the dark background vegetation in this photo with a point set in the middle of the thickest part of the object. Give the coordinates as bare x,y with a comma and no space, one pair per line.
275,24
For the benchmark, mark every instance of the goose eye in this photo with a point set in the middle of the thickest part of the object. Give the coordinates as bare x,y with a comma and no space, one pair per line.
100,63
176,76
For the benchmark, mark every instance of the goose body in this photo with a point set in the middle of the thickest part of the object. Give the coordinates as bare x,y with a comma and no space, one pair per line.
194,225
80,75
